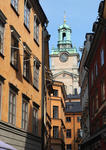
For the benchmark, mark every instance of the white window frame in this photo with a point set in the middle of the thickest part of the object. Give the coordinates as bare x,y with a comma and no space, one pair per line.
14,3
27,14
24,114
12,113
2,26
36,29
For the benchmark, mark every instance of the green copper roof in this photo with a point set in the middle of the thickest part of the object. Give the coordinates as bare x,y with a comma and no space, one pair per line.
64,26
56,51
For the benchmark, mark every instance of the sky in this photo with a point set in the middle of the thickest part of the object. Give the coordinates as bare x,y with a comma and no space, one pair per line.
80,16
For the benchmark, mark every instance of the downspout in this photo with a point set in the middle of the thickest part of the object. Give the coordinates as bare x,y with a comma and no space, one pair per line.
43,90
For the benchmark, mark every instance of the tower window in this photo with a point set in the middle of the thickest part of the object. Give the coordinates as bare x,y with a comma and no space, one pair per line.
64,36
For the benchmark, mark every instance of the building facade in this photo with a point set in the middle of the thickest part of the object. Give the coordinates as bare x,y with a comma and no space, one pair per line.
64,61
21,27
73,129
95,64
83,82
57,115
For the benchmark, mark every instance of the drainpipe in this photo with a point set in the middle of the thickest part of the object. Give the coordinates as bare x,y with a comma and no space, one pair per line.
43,90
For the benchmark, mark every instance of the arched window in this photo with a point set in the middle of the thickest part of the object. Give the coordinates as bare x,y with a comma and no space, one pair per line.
64,36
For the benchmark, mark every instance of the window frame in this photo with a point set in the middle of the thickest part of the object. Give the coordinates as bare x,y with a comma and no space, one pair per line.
36,70
35,121
14,50
36,29
26,64
55,133
12,114
27,11
69,148
67,119
68,133
13,3
57,113
25,124
102,56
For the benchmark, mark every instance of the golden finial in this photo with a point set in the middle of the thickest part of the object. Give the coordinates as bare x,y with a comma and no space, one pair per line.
64,17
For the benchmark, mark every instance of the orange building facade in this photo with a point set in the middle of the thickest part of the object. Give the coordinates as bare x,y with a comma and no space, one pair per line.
72,123
21,26
57,115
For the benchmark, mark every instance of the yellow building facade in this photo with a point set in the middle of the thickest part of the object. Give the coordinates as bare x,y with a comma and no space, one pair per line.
21,26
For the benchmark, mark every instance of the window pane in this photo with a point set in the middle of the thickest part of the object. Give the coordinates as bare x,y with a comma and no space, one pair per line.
55,111
24,114
1,37
12,107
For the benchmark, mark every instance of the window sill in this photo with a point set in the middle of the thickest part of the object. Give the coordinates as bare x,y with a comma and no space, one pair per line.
26,79
36,42
15,10
36,88
26,27
14,67
2,55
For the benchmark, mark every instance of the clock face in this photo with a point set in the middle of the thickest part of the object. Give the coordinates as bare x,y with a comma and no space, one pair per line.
63,57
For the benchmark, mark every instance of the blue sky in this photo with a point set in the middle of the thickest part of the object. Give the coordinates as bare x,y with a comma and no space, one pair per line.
80,15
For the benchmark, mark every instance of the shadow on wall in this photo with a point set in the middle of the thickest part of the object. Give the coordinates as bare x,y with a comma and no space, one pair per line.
33,140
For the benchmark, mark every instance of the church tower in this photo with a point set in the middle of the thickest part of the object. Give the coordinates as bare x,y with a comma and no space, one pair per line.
64,61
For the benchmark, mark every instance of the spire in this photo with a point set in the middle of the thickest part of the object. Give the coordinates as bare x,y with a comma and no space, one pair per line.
64,17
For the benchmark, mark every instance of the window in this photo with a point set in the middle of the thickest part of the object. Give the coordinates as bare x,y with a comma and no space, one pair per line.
102,90
78,119
68,133
55,112
55,131
1,37
0,97
12,107
78,133
92,78
26,65
36,29
24,113
26,14
96,69
68,119
69,147
96,98
75,91
14,51
102,57
36,66
35,120
55,93
14,3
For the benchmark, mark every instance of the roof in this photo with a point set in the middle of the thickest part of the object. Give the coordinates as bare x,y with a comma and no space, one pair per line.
64,26
70,96
73,107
